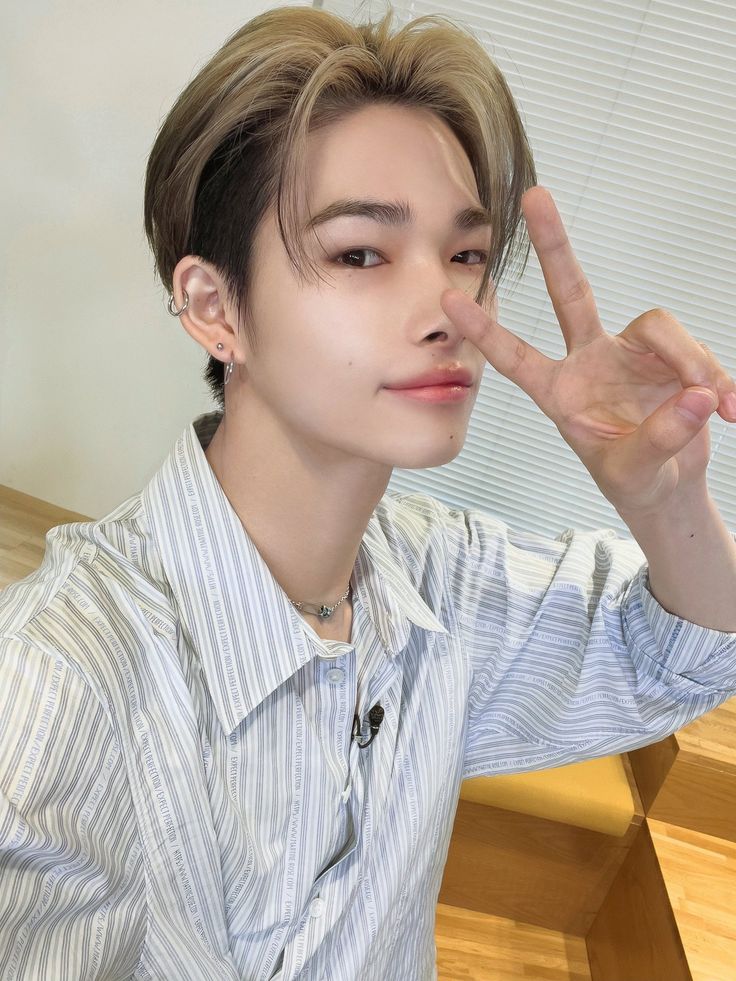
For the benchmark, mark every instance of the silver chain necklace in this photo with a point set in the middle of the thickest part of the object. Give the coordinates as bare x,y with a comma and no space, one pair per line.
323,612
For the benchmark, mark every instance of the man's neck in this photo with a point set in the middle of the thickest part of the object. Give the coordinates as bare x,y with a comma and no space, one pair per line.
306,527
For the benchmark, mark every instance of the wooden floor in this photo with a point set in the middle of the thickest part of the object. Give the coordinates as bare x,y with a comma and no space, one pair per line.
699,870
700,876
475,947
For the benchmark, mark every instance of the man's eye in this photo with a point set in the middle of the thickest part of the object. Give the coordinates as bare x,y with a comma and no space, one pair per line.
479,252
352,252
357,252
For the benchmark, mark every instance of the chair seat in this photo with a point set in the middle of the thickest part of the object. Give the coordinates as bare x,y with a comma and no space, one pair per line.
594,794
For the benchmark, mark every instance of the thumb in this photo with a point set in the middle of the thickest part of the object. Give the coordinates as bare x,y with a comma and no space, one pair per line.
673,425
696,405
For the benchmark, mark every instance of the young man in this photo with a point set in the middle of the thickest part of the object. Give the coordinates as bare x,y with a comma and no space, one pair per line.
185,794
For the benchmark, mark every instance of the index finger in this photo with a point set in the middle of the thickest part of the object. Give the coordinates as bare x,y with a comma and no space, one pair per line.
567,284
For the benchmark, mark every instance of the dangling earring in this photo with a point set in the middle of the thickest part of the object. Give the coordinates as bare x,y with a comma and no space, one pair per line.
231,365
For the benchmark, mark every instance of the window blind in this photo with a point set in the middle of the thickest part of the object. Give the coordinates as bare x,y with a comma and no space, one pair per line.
630,110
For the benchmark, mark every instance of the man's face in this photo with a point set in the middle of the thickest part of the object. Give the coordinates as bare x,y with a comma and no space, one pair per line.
326,351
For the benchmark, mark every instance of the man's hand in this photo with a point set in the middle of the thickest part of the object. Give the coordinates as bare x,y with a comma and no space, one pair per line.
615,398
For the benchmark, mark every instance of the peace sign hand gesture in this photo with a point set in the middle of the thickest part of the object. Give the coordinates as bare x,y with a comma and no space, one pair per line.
614,397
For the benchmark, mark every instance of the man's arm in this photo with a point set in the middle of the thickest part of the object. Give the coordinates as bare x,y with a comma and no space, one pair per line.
692,560
72,892
571,655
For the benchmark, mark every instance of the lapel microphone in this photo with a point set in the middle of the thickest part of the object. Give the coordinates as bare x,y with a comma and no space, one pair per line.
375,718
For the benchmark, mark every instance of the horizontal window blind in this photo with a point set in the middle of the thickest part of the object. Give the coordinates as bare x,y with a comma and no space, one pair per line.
630,107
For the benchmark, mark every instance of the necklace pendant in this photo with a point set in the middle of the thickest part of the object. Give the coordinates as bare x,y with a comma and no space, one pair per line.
324,612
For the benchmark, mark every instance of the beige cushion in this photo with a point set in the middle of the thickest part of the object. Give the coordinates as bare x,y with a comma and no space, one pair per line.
593,794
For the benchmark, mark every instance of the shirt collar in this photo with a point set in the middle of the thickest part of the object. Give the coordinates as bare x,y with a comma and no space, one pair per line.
248,635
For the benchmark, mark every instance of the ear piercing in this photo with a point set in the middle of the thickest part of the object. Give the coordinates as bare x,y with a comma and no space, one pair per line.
220,346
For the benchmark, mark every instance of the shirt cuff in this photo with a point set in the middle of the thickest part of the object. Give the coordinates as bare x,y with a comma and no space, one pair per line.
679,647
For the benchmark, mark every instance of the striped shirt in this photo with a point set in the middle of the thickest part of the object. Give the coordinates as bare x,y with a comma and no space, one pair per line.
181,795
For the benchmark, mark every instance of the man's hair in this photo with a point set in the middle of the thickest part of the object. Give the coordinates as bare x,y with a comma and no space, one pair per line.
235,140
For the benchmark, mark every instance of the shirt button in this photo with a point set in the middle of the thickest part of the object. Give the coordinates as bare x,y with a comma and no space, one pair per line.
317,907
336,675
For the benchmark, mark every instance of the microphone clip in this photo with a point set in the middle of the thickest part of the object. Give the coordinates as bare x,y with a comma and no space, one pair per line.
375,718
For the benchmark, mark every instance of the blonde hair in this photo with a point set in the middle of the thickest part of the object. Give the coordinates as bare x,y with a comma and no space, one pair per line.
235,141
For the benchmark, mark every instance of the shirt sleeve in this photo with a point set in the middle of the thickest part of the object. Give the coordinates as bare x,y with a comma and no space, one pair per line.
72,889
571,655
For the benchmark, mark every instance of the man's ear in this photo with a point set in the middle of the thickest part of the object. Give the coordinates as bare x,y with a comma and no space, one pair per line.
210,317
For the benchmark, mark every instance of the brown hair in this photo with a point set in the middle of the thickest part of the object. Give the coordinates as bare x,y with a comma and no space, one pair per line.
235,140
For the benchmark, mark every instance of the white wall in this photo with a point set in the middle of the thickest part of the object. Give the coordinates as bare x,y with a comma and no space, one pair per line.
96,378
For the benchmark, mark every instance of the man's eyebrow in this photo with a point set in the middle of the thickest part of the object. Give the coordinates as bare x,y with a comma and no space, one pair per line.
395,213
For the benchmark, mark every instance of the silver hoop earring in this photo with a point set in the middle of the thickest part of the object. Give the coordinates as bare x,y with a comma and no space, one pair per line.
175,312
229,371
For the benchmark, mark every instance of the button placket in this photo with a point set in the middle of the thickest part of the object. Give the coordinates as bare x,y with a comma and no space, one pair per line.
339,676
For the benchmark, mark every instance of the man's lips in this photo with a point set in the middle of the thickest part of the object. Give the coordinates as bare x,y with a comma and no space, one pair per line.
438,376
434,393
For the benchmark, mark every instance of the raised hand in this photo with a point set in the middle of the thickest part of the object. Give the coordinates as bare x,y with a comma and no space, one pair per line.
615,398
